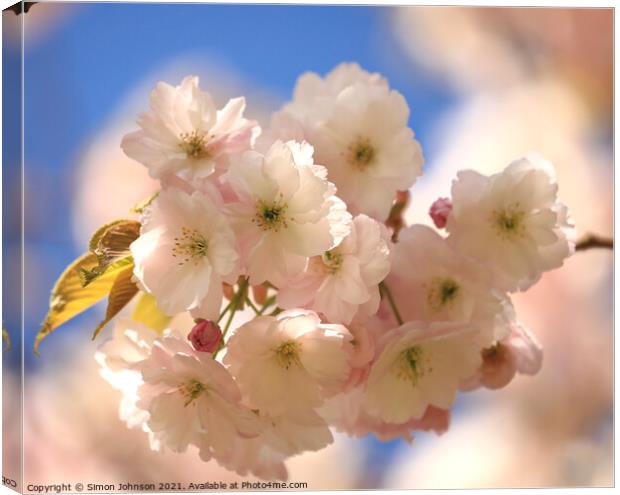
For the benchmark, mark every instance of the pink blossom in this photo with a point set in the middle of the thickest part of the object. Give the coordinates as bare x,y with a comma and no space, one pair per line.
362,354
291,361
285,212
517,353
512,222
205,336
184,133
343,281
439,212
346,414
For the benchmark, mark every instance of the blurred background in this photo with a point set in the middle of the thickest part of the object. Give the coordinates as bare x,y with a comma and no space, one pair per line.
484,85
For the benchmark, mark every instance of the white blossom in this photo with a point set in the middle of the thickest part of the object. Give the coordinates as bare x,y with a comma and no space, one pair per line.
432,282
185,134
185,249
131,343
282,436
291,361
314,96
345,412
190,397
512,222
420,366
359,129
285,211
345,278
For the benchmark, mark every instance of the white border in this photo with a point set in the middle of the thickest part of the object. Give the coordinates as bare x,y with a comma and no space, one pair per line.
567,4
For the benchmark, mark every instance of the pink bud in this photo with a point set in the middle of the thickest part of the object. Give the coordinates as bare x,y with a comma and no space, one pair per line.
439,212
205,336
259,292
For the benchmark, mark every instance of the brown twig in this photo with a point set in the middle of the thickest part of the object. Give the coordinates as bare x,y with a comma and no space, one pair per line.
590,241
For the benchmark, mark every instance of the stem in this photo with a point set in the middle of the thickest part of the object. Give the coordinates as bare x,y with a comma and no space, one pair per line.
589,241
228,306
237,298
251,304
268,303
385,291
227,326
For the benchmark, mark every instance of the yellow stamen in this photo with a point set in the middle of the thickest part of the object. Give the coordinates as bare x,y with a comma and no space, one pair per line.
361,153
190,245
288,354
193,143
192,390
271,216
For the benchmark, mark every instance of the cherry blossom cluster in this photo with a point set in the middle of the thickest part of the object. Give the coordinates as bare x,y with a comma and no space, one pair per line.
358,325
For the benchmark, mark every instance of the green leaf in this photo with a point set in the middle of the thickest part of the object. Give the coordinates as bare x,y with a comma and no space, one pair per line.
110,244
7,339
123,291
147,312
69,298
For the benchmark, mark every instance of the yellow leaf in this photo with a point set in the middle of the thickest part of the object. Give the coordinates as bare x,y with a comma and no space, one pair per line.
94,240
69,298
7,339
110,243
123,291
114,242
147,312
144,204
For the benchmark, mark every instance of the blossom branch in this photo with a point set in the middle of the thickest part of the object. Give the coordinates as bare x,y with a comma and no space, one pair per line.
278,373
590,241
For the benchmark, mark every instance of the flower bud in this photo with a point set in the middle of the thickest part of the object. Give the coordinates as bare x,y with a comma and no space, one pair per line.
439,212
228,290
205,336
259,293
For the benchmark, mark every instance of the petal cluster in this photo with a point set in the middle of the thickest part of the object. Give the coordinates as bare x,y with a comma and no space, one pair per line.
512,221
185,250
291,361
344,280
311,304
284,210
359,129
185,134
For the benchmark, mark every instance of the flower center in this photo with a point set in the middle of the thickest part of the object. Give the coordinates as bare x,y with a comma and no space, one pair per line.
190,245
442,293
509,222
332,261
410,365
193,143
192,390
288,354
270,216
361,153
